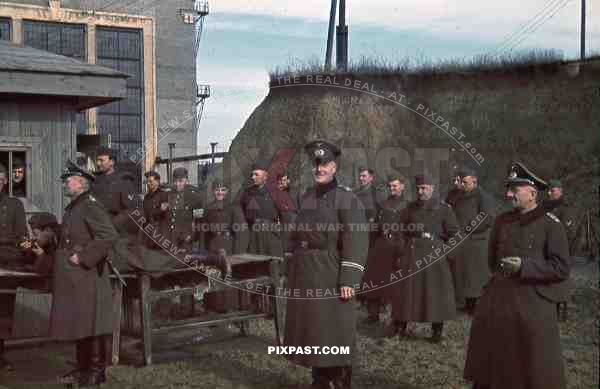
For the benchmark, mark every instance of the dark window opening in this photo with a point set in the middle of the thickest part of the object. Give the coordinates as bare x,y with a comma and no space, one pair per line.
121,49
63,39
4,29
14,163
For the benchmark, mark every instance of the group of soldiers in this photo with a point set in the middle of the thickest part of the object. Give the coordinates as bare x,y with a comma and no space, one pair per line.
507,271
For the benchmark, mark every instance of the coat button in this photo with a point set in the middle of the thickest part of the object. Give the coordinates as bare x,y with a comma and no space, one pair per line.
172,220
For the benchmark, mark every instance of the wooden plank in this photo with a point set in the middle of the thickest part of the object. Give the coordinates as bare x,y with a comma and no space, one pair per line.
199,324
146,318
118,306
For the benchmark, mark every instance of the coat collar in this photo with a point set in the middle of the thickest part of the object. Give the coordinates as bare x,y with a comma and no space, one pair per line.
323,189
77,200
523,219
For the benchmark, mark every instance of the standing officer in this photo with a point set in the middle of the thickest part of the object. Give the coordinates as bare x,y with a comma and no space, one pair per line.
472,207
387,248
323,266
370,197
222,227
427,295
13,230
82,294
515,340
566,214
560,208
155,208
261,213
115,190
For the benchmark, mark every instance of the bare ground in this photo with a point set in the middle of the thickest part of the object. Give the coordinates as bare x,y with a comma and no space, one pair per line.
227,360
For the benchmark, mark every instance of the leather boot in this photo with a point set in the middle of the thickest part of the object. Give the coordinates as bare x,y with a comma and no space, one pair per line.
471,303
342,378
4,364
396,328
82,365
320,378
437,329
373,311
97,363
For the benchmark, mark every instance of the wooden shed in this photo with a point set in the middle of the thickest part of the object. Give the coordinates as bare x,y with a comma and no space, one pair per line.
40,95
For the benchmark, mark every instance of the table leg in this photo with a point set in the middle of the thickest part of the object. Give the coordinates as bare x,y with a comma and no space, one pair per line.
118,307
277,308
146,309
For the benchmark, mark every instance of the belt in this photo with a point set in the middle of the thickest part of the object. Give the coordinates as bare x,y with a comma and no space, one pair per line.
306,245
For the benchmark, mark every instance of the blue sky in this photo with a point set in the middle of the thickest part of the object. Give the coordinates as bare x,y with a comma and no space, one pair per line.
245,39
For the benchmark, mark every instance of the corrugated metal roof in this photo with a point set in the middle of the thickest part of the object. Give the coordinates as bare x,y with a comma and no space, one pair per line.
20,58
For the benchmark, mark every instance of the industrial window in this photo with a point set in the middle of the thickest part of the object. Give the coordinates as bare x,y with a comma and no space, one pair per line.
14,162
59,38
121,49
4,29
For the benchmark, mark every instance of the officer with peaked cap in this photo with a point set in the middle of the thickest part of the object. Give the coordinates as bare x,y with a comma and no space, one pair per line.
515,339
426,294
386,249
82,294
324,266
472,206
261,212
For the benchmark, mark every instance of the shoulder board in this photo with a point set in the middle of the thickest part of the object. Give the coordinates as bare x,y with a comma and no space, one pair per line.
553,217
92,198
344,188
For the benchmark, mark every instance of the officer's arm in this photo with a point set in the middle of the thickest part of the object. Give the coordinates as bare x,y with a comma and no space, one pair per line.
492,247
354,239
450,224
239,230
104,235
487,213
554,266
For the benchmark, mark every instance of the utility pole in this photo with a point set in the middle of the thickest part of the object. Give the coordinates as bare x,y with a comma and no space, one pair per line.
582,55
342,40
330,35
213,145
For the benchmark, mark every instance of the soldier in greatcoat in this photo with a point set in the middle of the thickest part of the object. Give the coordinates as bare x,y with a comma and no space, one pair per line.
324,265
82,309
556,204
13,230
385,251
515,340
222,229
426,293
170,237
261,213
475,213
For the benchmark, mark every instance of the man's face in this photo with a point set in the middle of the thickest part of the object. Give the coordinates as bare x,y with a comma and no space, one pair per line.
104,163
180,184
259,177
424,192
220,193
42,236
521,196
18,174
396,187
468,184
555,193
364,178
3,181
457,182
284,183
152,184
73,186
323,173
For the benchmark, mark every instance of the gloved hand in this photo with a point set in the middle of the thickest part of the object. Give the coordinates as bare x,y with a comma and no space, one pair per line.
510,265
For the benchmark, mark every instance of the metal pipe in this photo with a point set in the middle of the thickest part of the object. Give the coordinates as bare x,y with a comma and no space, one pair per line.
330,33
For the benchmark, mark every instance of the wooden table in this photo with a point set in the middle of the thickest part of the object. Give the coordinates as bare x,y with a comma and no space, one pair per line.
16,279
245,282
139,285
